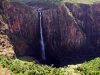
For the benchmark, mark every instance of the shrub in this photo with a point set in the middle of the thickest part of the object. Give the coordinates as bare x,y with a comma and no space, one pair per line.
91,67
19,67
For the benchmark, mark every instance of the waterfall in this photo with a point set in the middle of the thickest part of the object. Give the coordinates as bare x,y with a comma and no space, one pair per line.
41,37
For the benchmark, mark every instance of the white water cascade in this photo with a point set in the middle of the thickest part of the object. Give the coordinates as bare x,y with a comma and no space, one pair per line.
41,38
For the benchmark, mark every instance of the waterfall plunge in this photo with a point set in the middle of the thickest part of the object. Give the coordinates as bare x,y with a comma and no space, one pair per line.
41,37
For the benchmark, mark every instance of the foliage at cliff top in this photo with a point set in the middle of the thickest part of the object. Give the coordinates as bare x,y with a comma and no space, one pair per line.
82,1
72,1
46,3
54,3
21,67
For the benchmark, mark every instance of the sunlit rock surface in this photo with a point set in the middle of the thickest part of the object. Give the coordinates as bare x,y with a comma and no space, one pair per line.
6,47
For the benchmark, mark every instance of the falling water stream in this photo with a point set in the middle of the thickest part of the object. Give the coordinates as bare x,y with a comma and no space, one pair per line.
41,37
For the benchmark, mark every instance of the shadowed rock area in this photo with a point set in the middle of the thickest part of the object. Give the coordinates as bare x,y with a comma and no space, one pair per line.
71,32
22,22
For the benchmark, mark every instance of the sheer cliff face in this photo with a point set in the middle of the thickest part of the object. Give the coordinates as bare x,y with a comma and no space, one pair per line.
68,30
88,18
22,22
61,32
72,30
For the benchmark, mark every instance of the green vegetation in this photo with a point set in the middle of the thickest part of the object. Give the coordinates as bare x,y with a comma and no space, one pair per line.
82,1
54,3
19,67
47,3
91,67
57,1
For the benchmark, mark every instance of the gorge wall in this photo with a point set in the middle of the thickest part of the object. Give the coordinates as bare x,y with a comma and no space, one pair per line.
71,32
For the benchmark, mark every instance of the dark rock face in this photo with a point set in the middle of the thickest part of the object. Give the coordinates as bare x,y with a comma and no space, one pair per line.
22,22
61,32
70,31
88,18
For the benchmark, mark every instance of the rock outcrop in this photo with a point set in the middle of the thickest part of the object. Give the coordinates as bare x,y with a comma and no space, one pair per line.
22,22
6,47
70,31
